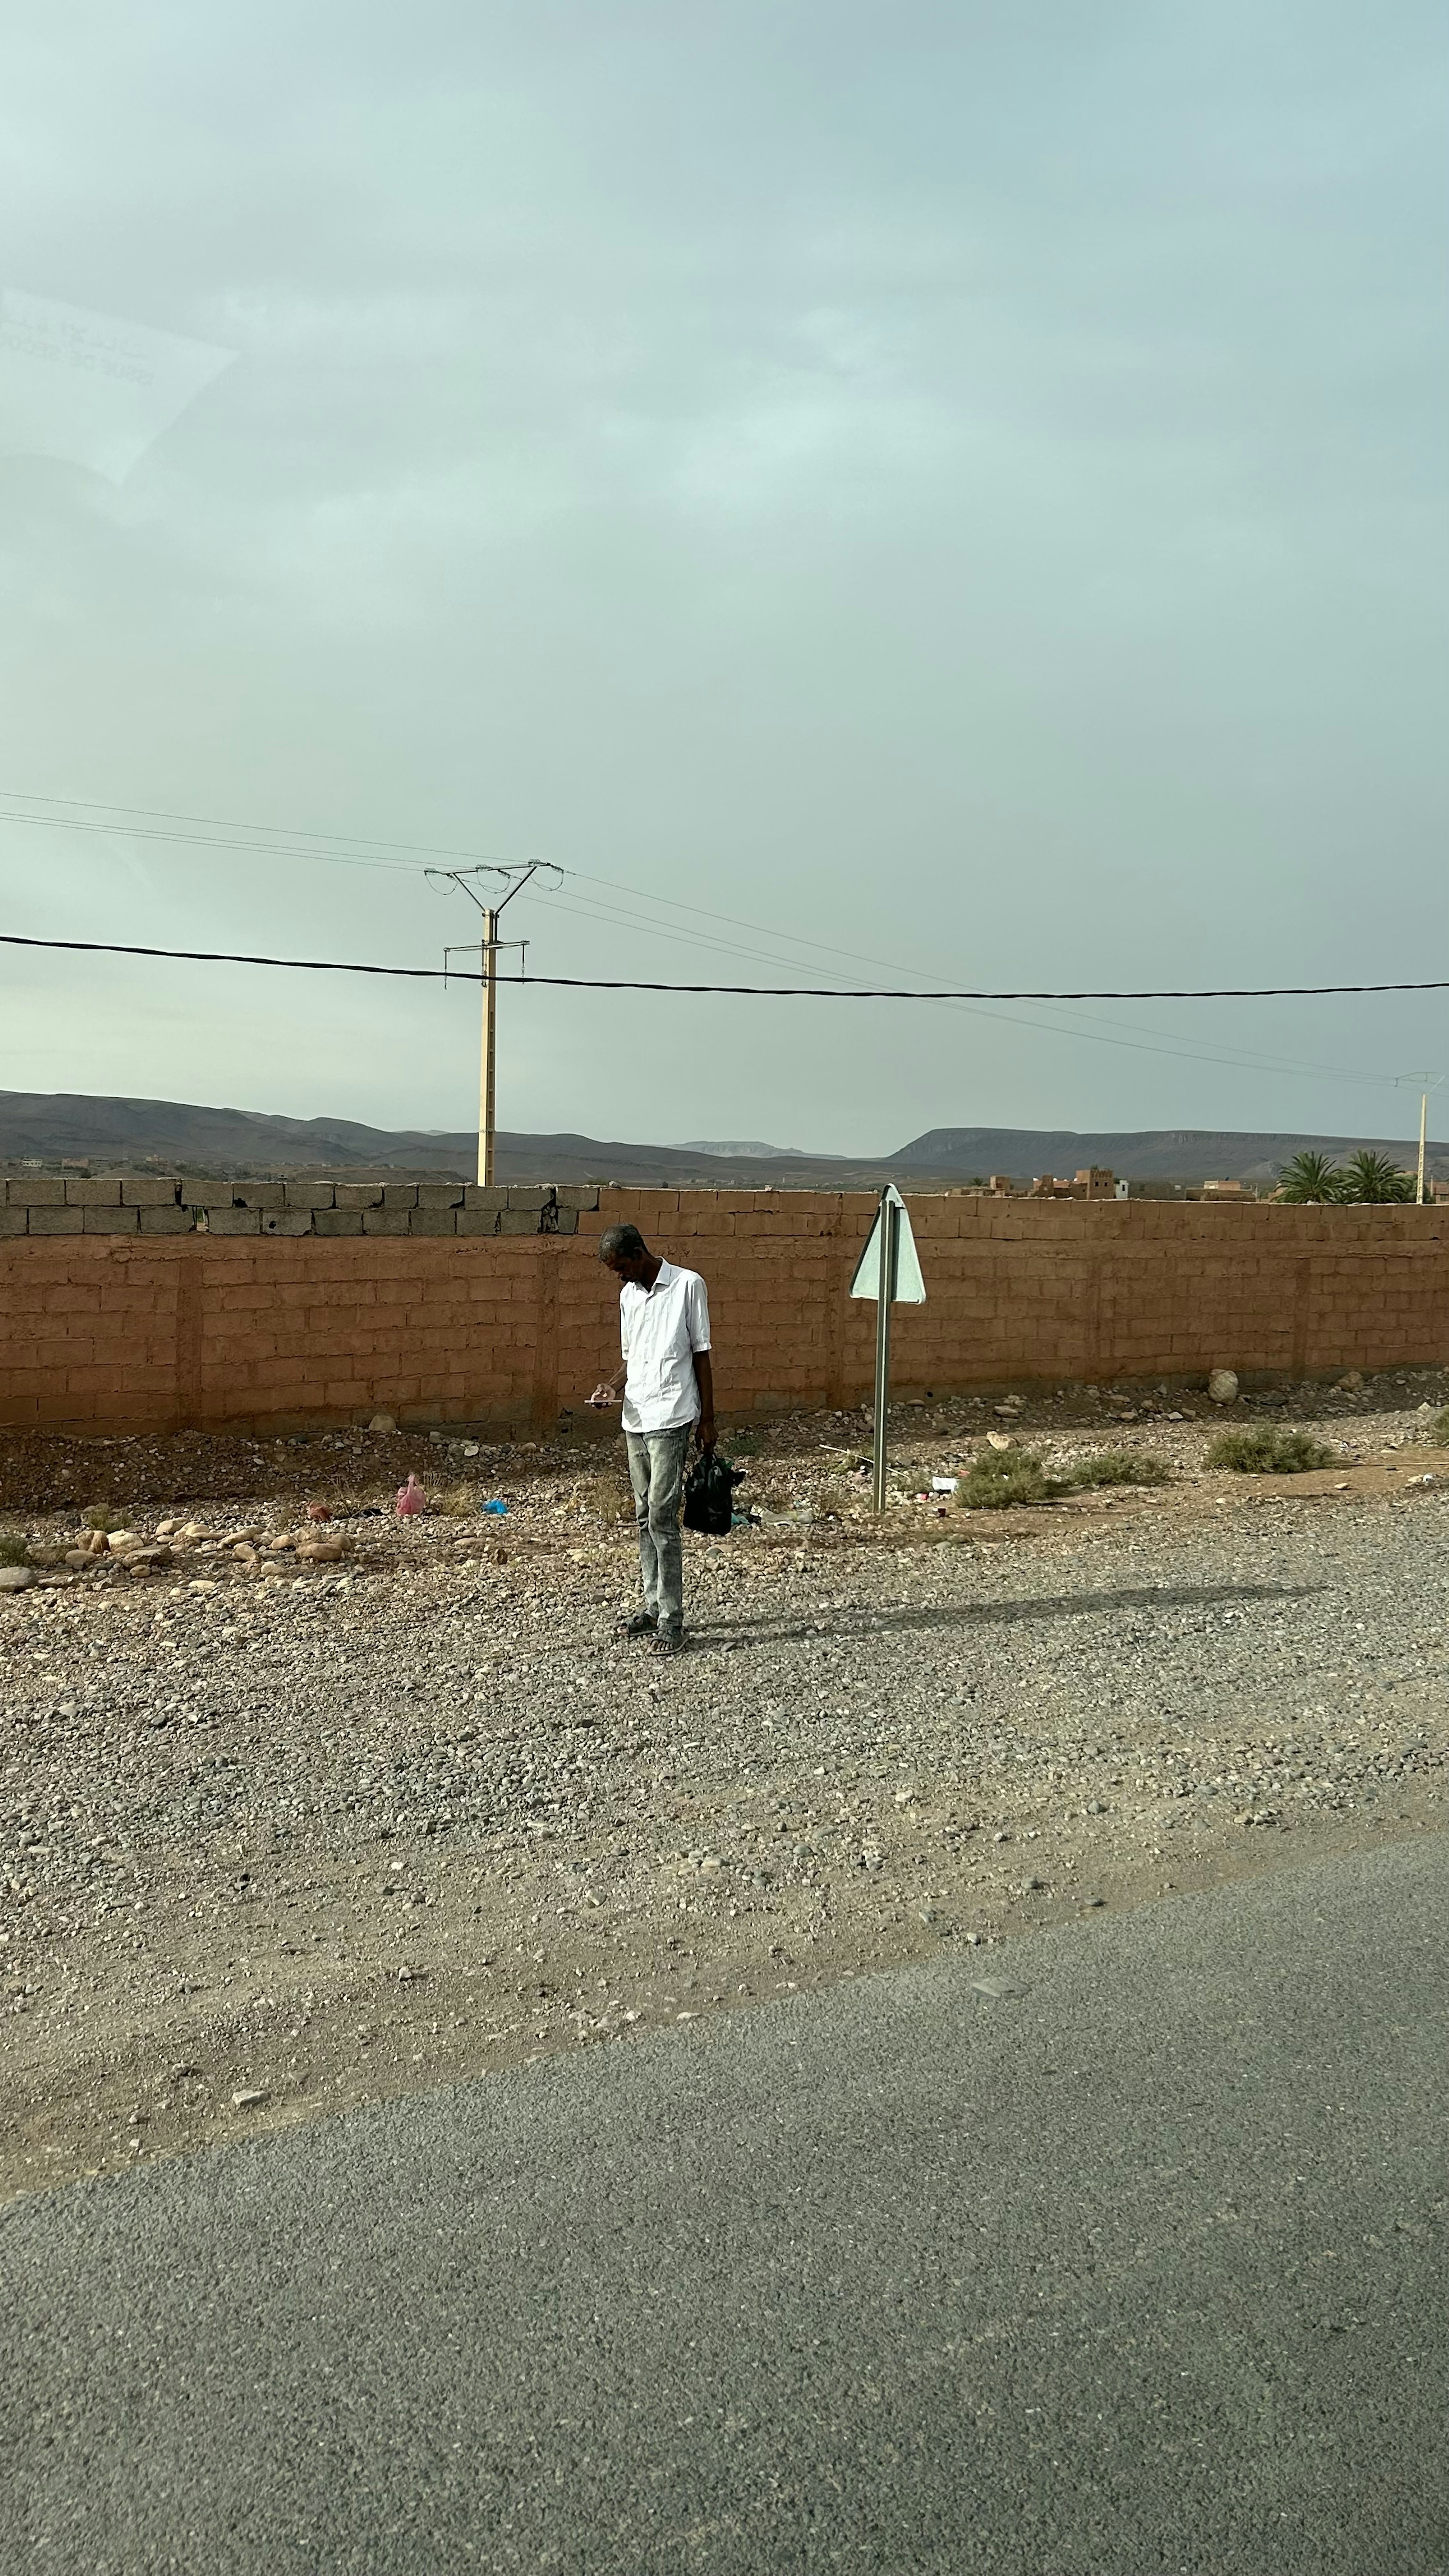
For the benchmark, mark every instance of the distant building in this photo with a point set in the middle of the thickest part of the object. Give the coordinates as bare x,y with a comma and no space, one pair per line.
1097,1183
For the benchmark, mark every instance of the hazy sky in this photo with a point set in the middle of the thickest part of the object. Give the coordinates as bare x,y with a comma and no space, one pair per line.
962,484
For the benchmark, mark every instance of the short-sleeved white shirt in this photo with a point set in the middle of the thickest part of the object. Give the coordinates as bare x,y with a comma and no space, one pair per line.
660,1329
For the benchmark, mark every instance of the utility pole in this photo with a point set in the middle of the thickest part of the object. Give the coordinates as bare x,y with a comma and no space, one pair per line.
489,947
488,1057
1424,1084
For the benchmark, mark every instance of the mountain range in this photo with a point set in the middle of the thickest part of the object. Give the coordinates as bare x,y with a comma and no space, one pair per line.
48,1128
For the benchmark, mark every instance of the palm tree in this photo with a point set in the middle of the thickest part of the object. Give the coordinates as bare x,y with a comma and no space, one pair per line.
1373,1180
1310,1180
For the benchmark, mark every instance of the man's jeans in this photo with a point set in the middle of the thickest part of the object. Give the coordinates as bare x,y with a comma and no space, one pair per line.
656,1472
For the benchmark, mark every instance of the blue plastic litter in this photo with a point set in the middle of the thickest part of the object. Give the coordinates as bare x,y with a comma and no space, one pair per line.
493,1507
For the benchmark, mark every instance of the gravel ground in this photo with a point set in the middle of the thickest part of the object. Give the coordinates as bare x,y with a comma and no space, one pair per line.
311,1838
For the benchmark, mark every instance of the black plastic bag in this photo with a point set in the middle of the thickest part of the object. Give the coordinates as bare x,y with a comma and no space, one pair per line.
709,1490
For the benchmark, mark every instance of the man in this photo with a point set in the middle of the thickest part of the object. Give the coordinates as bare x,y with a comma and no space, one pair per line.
668,1389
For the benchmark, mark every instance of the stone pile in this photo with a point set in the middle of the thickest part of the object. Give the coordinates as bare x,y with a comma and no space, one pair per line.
175,1543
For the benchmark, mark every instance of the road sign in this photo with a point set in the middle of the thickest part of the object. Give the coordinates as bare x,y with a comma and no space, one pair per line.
908,1288
888,1270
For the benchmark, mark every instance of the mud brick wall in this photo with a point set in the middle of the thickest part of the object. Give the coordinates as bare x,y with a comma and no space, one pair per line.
130,1305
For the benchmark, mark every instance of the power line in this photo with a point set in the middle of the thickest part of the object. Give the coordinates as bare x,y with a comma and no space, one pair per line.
738,992
1143,1042
348,849
1139,1041
343,842
210,841
1146,1041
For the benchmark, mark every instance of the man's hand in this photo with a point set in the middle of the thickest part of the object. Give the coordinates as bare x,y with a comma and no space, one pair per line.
704,1431
604,1394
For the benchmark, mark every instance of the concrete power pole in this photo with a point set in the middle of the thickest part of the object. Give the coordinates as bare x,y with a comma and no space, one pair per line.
1423,1083
487,1072
489,948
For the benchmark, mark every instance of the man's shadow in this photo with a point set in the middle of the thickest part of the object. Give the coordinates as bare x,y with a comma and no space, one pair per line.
922,1617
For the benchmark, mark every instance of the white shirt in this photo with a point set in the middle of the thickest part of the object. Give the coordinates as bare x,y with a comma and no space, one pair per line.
660,1329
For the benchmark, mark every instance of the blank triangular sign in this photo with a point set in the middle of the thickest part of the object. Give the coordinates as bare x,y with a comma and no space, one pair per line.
908,1287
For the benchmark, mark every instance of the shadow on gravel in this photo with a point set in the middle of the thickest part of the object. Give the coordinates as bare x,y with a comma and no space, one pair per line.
982,1614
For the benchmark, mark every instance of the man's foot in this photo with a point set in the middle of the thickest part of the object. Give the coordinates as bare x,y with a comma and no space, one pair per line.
643,1624
669,1641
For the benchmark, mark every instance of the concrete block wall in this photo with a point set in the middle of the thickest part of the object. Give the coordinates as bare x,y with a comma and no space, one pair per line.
132,1204
152,1304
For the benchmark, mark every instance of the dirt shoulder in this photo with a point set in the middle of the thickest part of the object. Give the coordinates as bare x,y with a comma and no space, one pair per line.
316,1837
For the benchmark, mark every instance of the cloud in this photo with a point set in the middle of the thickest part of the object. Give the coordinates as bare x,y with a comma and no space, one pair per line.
975,475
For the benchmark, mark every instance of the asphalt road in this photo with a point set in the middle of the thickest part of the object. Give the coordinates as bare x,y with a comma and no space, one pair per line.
1141,2269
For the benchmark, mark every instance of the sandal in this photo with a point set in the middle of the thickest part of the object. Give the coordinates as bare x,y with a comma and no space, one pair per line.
643,1624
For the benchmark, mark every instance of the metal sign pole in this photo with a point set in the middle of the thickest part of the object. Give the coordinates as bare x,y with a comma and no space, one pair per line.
888,1269
885,1291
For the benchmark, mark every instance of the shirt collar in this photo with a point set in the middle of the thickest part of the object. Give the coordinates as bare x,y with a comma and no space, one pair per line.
667,1270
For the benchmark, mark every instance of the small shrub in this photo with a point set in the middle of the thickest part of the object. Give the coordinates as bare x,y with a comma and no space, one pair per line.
102,1518
1119,1467
1001,1477
1439,1430
13,1548
1269,1452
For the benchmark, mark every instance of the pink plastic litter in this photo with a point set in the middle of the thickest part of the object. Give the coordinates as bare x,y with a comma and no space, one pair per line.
410,1499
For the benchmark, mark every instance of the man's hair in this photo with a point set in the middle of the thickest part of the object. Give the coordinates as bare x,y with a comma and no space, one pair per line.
621,1243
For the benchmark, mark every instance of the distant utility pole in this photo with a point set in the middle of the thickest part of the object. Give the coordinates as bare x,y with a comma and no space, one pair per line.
1423,1083
489,947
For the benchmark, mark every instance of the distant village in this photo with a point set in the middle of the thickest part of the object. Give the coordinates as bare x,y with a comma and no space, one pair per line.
1097,1181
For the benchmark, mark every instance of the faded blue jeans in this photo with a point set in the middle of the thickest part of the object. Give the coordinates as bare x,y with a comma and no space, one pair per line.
656,1472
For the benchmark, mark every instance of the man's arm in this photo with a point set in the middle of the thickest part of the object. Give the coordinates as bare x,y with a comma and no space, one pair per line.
704,1379
609,1389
